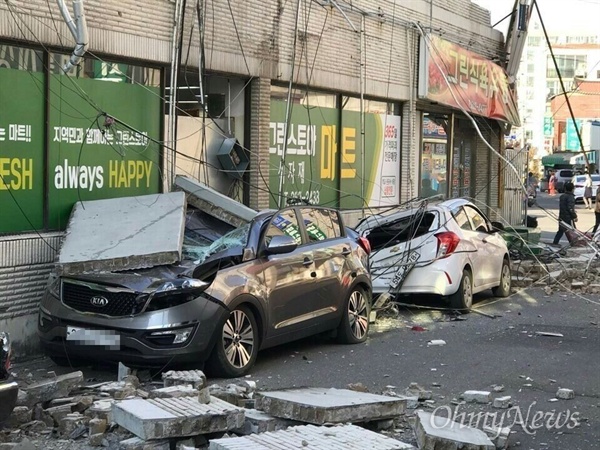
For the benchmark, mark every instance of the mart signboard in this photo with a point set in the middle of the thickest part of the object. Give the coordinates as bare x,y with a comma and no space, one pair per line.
324,156
90,158
548,126
571,138
457,77
21,150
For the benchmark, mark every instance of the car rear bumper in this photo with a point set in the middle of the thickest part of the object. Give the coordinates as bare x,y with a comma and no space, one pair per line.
129,344
421,280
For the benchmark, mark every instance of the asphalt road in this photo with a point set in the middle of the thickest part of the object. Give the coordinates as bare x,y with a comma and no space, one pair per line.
480,352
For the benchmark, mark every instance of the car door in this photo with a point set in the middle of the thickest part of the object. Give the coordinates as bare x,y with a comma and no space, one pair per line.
488,245
288,278
475,249
330,250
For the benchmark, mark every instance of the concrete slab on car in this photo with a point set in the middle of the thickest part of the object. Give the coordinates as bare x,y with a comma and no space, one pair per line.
123,233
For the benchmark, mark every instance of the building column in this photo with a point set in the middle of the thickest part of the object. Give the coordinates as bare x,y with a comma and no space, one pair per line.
409,152
260,113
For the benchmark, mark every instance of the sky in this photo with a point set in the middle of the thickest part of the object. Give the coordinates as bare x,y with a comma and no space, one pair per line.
559,15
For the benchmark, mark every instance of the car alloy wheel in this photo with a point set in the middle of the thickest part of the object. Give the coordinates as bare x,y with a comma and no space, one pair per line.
238,339
354,326
237,345
357,314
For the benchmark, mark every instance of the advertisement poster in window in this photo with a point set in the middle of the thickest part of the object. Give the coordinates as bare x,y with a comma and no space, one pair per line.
323,161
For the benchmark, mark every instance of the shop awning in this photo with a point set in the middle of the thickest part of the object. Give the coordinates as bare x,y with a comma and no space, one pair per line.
556,160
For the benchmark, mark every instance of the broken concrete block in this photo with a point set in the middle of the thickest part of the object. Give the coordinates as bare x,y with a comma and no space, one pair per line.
414,390
20,415
60,412
320,405
341,437
358,387
502,402
35,426
477,396
181,390
97,426
139,444
194,377
101,409
96,242
71,422
163,418
95,440
436,342
82,403
46,390
260,422
119,390
435,432
499,436
123,372
565,394
232,393
192,443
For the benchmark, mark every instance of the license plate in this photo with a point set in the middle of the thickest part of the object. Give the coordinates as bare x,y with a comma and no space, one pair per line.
403,270
84,336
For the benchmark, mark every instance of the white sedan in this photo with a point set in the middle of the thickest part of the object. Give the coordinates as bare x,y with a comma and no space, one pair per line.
579,186
448,248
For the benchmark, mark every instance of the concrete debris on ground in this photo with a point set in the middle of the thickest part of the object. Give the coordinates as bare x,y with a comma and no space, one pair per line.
565,394
435,432
414,390
176,417
236,394
341,437
320,405
482,397
260,422
503,402
499,436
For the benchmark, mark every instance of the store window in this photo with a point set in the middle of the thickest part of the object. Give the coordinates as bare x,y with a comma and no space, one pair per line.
434,155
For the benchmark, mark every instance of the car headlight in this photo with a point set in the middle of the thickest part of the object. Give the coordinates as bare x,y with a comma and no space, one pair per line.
175,293
53,286
183,284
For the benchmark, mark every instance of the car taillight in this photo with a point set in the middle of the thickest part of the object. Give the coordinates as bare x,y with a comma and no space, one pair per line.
365,244
447,243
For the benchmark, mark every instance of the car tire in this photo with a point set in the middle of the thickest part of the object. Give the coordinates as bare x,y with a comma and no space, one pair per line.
354,327
237,343
463,297
503,289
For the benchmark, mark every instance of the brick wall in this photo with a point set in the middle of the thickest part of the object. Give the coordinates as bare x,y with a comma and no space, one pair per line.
260,97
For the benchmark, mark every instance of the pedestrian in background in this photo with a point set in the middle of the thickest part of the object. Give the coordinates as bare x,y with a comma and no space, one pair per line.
566,212
597,211
587,190
552,183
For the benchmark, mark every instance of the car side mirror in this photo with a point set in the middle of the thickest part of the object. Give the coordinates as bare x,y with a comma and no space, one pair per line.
280,245
497,226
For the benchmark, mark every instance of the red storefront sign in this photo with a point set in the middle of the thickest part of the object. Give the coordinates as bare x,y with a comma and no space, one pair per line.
471,81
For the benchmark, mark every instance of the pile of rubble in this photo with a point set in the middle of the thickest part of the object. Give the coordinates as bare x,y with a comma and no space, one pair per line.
185,413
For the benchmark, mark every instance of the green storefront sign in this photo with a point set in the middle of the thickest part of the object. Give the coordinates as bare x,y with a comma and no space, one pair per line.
548,126
21,150
46,167
572,140
323,157
88,160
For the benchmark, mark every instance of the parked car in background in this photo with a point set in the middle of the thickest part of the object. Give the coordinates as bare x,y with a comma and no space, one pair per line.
449,249
285,275
562,176
579,183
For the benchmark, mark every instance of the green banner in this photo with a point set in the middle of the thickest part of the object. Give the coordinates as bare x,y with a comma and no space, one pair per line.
21,150
311,154
92,159
323,161
572,140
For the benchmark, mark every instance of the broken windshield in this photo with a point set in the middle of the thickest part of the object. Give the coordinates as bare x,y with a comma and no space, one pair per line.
199,252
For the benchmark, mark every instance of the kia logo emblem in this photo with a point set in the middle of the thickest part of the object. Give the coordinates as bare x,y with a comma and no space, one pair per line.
100,302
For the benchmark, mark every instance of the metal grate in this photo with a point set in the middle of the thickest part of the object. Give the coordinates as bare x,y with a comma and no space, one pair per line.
79,297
